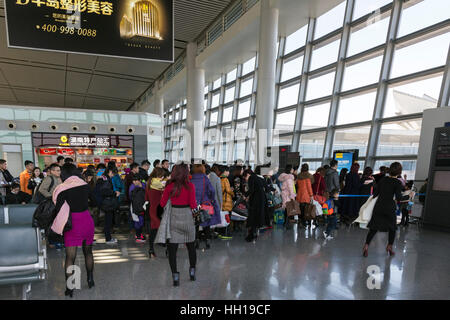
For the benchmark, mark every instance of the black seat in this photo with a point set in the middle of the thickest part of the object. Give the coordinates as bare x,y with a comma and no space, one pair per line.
24,261
21,214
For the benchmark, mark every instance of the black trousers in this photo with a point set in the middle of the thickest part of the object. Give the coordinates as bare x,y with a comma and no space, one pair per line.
372,233
173,247
405,217
108,224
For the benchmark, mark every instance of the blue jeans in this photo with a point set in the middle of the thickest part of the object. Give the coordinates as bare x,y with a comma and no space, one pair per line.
331,224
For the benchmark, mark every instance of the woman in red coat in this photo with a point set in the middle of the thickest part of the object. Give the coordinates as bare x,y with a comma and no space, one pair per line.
319,187
153,194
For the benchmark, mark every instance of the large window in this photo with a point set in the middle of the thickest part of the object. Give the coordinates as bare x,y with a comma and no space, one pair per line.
399,138
239,150
330,21
292,68
352,138
420,14
244,109
363,7
356,108
246,87
316,116
217,83
296,40
249,66
414,84
409,166
368,34
325,55
288,96
282,140
229,94
231,76
412,97
320,86
420,56
362,73
227,114
215,100
213,119
312,145
285,121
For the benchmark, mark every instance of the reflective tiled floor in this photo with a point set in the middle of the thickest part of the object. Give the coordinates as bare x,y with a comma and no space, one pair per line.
293,264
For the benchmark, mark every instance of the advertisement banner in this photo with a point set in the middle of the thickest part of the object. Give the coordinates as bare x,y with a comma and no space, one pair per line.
66,152
47,151
139,29
346,158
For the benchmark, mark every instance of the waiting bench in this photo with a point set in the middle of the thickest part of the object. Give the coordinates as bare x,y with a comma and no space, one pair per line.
23,257
17,214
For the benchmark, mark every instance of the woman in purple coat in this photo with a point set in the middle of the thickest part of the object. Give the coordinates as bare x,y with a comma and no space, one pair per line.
204,192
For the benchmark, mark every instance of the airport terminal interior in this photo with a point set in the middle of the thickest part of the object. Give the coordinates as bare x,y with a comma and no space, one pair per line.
359,90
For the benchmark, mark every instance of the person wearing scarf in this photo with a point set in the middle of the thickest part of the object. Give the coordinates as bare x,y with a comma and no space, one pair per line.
71,205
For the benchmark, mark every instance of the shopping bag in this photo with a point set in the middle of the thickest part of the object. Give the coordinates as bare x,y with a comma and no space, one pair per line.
365,213
310,211
293,208
224,220
318,207
278,216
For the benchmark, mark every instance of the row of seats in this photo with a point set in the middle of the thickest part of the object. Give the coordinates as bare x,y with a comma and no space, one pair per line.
23,256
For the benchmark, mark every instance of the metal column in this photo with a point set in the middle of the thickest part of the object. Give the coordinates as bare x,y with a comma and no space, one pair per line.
382,86
327,152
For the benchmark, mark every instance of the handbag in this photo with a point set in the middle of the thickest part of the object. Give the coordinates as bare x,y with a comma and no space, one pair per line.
320,199
200,216
310,211
240,207
206,205
293,208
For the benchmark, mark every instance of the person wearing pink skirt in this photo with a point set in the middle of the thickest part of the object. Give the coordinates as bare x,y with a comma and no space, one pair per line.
74,221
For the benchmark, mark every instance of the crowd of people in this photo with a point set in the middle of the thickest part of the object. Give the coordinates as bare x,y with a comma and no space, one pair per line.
164,206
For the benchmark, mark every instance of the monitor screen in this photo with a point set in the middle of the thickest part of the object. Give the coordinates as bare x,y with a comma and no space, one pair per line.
441,181
443,156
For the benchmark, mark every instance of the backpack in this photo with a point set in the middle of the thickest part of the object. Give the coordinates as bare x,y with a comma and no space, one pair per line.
39,197
44,214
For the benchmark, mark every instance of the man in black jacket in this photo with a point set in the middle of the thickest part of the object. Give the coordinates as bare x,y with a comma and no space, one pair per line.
5,179
143,171
16,196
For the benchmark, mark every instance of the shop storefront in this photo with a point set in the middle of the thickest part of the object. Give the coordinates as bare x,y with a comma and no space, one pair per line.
84,149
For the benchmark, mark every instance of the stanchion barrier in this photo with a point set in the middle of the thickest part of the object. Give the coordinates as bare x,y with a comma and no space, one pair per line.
367,196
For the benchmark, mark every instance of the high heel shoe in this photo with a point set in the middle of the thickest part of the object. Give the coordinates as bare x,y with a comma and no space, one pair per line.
366,250
90,280
192,274
69,292
151,253
176,279
389,250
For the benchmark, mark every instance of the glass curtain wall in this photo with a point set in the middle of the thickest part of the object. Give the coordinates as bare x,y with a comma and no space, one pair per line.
328,95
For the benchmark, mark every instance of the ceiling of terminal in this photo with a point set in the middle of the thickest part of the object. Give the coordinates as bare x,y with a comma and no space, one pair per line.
50,79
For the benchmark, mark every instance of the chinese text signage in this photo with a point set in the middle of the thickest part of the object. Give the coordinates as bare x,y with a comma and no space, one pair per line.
141,29
83,141
48,141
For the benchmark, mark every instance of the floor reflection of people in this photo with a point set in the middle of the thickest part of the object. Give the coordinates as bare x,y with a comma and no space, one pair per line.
363,279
